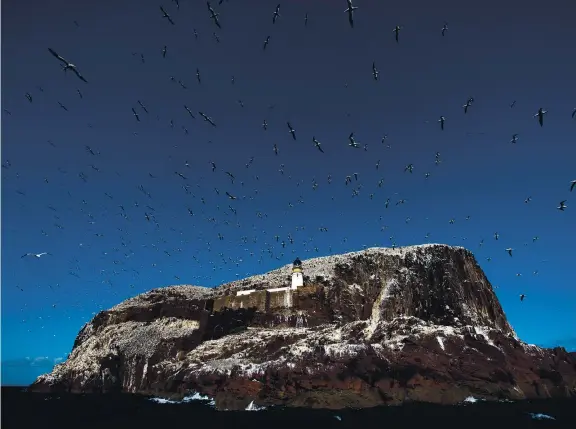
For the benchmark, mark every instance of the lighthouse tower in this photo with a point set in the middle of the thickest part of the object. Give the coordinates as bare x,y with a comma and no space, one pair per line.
297,276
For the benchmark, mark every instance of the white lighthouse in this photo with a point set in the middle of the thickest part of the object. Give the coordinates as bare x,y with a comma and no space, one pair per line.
297,276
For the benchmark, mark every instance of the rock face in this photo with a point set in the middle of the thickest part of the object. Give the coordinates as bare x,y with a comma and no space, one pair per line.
380,326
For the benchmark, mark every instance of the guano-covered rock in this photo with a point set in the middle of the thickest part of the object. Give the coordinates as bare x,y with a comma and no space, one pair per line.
380,326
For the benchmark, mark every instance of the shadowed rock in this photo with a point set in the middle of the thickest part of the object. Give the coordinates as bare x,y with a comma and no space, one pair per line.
380,326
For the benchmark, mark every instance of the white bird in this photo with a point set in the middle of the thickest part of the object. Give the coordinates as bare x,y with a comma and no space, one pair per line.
67,65
37,255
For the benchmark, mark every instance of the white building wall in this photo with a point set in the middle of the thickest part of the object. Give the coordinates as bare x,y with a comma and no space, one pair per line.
245,292
297,280
278,289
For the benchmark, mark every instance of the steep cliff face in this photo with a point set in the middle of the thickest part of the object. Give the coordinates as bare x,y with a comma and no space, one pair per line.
374,327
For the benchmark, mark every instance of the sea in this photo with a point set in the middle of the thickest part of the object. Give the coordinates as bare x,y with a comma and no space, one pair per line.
21,409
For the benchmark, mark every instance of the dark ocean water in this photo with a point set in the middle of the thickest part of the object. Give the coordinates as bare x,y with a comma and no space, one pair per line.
21,409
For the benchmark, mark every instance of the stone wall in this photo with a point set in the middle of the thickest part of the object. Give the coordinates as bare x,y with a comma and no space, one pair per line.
258,300
279,299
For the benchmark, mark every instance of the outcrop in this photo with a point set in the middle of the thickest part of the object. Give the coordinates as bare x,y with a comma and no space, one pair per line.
379,326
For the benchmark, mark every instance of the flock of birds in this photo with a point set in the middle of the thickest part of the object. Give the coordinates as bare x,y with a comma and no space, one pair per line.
124,251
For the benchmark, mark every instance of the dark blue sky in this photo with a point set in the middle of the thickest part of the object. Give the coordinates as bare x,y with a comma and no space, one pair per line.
318,77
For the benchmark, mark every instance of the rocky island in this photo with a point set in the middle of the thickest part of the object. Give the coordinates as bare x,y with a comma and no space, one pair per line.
379,326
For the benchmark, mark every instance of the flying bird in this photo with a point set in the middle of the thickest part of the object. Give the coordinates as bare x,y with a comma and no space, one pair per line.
522,296
540,114
142,106
68,65
213,15
374,71
442,120
207,119
572,185
509,250
266,43
135,114
36,255
353,142
397,32
165,15
562,205
444,28
350,10
291,130
164,49
514,138
189,112
276,14
317,144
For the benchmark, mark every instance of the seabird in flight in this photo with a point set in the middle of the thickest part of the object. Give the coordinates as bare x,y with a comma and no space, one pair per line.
36,255
189,112
68,65
165,15
350,12
540,114
276,14
374,71
142,106
317,144
442,120
562,205
353,142
213,15
207,119
397,32
444,28
291,130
